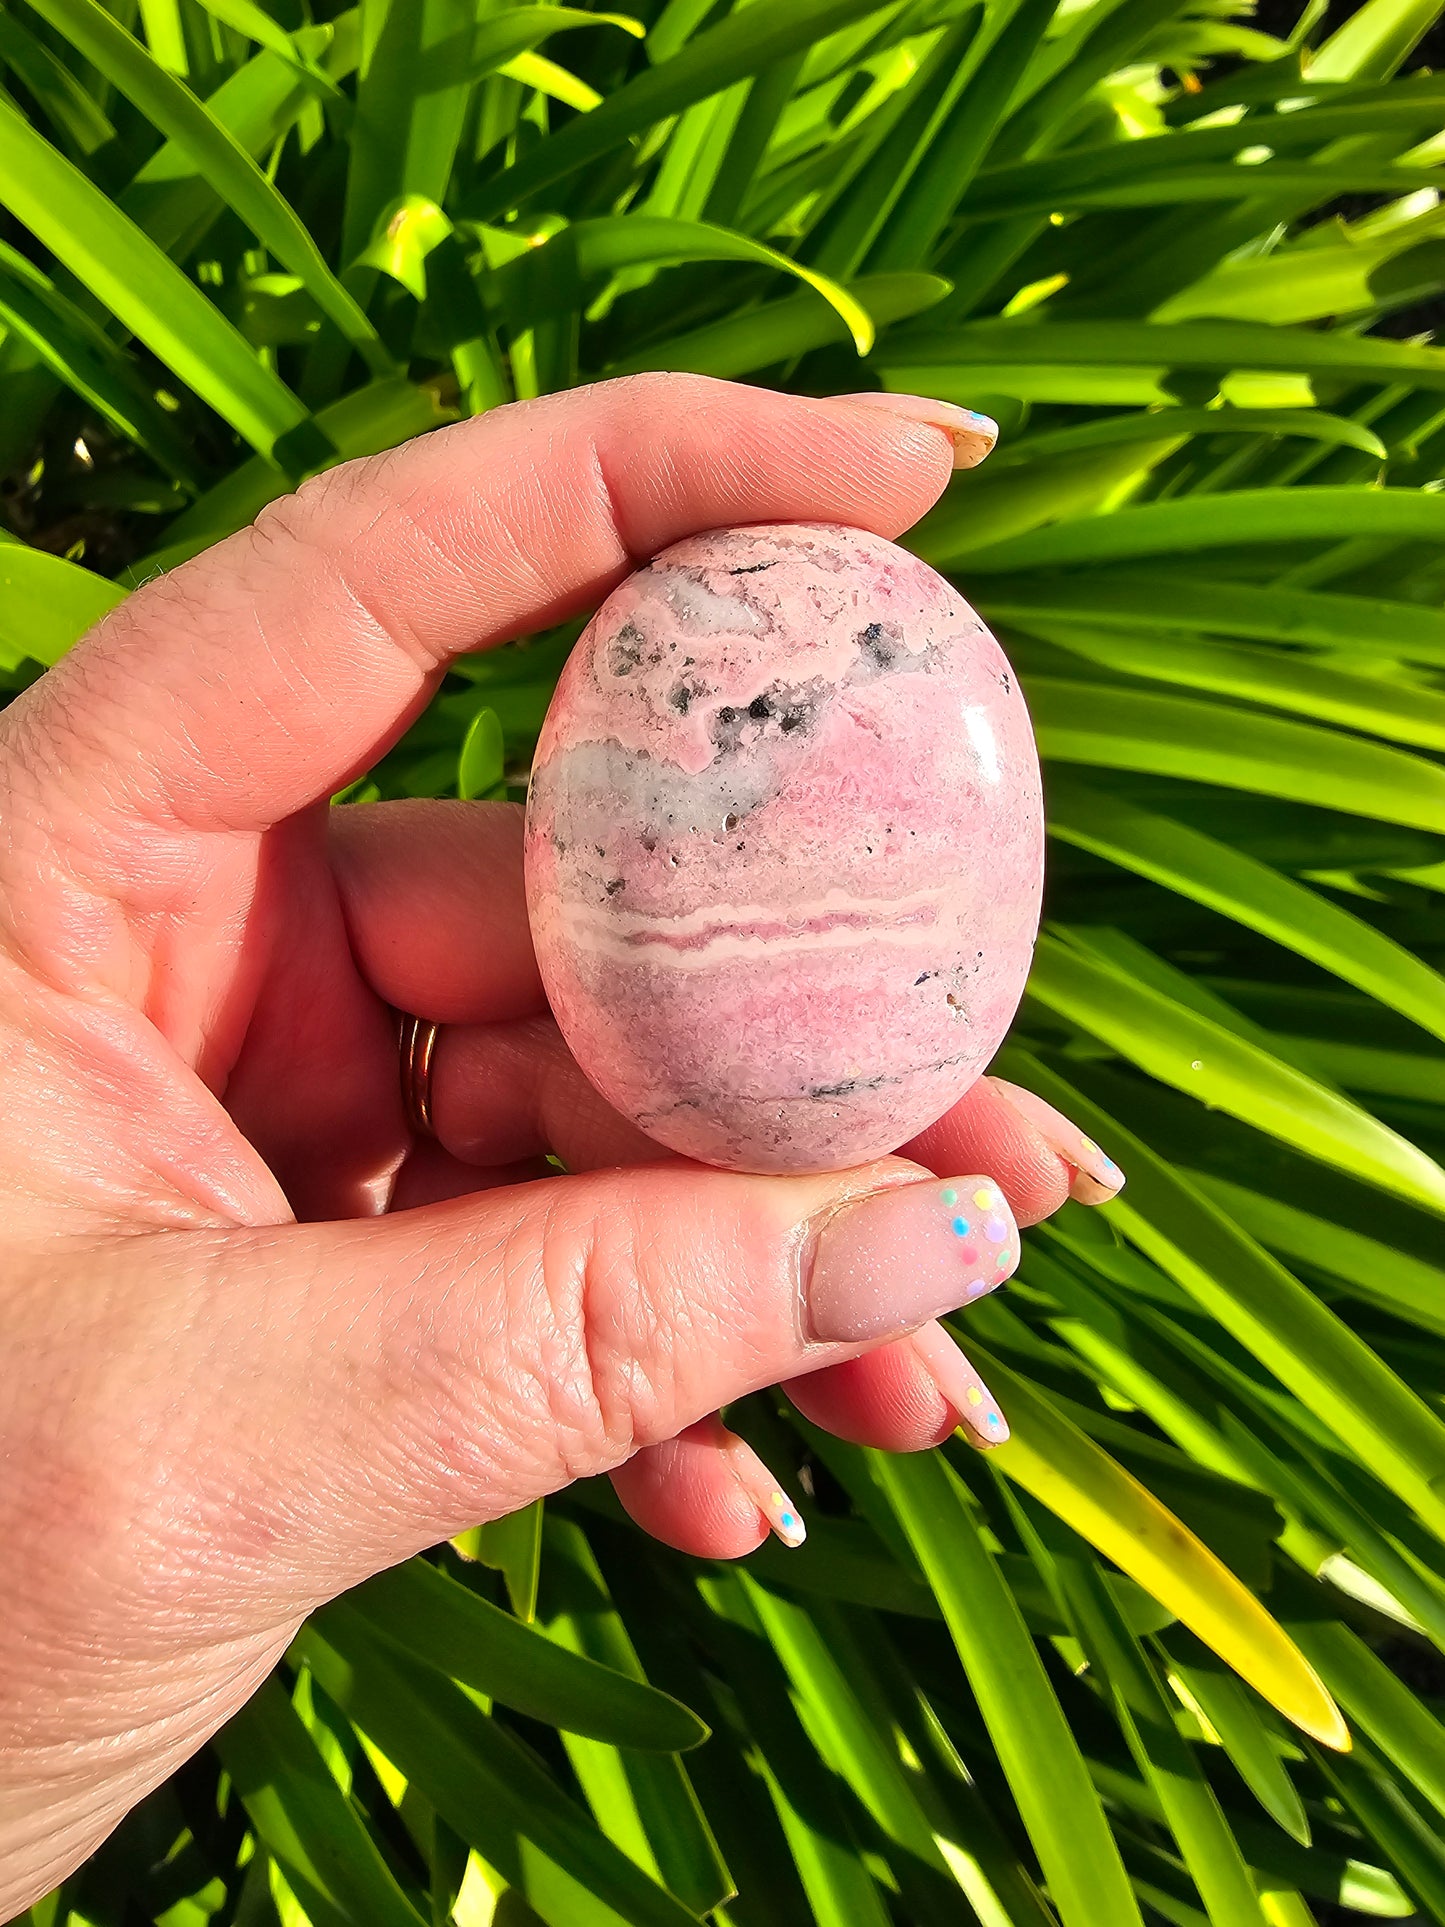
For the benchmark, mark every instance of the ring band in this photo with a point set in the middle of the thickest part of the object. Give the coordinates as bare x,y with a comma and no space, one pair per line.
417,1038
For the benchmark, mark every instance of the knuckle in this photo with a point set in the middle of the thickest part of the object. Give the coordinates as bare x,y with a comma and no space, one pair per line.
594,1331
632,1324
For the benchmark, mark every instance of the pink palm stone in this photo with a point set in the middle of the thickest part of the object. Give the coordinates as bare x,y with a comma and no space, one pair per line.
785,847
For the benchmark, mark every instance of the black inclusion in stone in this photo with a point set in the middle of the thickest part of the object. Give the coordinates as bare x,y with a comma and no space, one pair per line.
624,652
881,645
782,708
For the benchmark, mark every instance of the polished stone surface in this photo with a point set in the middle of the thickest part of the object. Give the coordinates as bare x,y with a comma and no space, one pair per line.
785,847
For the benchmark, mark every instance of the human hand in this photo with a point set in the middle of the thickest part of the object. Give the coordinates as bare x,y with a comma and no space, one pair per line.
261,1344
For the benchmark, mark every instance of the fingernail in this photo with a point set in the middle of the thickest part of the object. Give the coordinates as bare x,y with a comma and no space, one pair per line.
972,435
960,1386
1094,1177
784,1520
886,1263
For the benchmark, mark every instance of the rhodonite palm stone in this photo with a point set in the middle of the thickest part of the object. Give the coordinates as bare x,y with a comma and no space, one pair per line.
785,847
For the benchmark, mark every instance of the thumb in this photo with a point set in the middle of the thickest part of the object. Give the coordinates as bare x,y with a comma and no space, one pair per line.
372,1387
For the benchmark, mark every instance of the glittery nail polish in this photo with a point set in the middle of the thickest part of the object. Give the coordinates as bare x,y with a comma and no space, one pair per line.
886,1263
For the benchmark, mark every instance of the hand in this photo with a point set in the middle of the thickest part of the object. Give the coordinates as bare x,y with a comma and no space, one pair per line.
240,1376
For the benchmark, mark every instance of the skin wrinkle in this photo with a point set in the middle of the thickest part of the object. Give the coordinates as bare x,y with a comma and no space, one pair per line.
610,511
154,1745
570,1372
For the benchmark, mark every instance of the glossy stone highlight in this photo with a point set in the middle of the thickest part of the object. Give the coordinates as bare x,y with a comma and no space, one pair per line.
785,847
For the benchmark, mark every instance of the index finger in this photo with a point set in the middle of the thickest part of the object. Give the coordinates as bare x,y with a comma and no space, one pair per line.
265,673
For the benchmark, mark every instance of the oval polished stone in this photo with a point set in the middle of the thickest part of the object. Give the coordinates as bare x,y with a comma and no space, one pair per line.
785,847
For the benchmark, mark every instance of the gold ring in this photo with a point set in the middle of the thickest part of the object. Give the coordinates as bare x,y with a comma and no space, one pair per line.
417,1039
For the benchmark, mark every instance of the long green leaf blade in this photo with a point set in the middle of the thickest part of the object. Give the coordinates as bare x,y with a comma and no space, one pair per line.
1081,1863
440,1622
302,1816
731,51
143,289
220,159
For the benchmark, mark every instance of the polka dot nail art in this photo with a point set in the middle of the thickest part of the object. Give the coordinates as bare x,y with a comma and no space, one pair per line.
983,1225
886,1263
784,1520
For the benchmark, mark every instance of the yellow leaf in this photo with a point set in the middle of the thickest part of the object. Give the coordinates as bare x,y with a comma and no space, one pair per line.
1065,1470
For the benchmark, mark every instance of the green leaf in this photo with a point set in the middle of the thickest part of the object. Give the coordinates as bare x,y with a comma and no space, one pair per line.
1236,1723
1212,345
942,181
824,1680
1330,1369
553,81
302,1817
46,604
1195,1054
783,330
1409,1840
1036,1748
247,18
997,511
511,1545
1374,41
422,60
219,158
731,51
643,1801
444,1624
1186,859
1222,521
1153,424
1146,1715
406,234
1405,713
70,344
485,1784
147,293
1307,283
1388,1276
827,1862
1151,600
258,105
1410,1736
501,38
545,278
1408,114
1116,728
165,35
59,94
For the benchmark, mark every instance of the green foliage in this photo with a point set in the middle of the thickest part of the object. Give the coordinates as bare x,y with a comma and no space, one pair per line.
1192,268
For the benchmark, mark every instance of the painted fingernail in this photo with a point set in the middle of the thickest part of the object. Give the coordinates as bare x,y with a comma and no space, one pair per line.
960,1386
886,1263
1094,1177
971,434
783,1518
